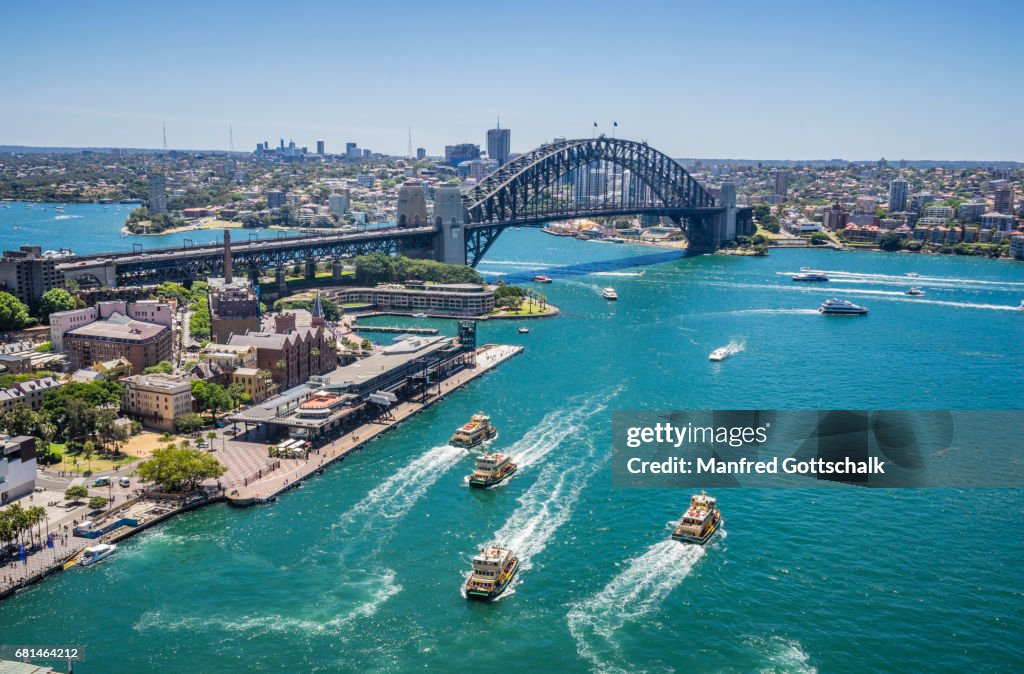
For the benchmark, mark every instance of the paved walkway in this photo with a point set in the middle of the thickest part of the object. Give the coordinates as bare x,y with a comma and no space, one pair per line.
292,471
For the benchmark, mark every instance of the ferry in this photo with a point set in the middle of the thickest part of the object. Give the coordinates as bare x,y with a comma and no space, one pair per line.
478,431
93,554
700,522
914,291
493,570
609,294
842,308
524,330
810,277
540,278
491,469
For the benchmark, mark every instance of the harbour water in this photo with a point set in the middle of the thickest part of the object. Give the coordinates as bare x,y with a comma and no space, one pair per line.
361,568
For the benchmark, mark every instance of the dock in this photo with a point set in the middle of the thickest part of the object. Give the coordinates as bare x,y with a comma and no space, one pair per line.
395,329
269,487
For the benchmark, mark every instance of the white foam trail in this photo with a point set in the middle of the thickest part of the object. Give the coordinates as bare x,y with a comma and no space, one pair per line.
618,273
796,312
885,295
638,590
520,263
784,655
553,430
395,496
543,508
890,279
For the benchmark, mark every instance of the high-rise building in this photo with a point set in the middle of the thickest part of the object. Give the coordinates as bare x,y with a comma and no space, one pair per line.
352,151
339,202
157,193
320,147
421,153
275,199
897,196
27,274
456,154
1003,202
499,145
781,183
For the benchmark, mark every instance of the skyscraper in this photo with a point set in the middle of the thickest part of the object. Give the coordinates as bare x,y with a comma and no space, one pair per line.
320,147
499,144
421,153
157,194
781,183
1003,202
897,196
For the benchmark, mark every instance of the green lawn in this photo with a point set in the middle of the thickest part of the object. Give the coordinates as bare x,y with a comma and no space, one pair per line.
75,462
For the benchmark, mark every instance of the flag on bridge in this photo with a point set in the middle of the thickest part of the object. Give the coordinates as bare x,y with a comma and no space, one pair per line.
595,125
615,123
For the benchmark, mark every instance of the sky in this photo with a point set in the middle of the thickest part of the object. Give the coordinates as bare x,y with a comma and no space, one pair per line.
695,78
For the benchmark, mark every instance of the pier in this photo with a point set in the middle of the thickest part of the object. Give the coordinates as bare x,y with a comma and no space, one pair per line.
394,329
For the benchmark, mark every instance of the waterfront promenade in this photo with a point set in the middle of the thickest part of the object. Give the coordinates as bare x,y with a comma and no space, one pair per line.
292,471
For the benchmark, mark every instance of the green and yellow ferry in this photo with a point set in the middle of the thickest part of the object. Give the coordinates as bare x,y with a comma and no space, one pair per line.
493,570
478,431
700,522
491,469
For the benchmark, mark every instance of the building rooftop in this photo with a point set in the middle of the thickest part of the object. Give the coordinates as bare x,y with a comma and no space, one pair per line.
119,327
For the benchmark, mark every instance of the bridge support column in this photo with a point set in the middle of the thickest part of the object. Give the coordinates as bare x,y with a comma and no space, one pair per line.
450,218
336,269
254,275
281,276
310,269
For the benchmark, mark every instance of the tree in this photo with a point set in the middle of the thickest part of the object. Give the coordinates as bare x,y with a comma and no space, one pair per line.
75,492
176,469
213,398
163,367
890,241
817,239
13,314
20,420
188,423
97,503
54,300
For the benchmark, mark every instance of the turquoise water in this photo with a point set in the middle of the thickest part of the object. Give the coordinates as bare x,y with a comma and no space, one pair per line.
85,228
361,568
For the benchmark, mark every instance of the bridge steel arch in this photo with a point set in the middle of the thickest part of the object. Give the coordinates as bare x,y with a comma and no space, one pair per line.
520,192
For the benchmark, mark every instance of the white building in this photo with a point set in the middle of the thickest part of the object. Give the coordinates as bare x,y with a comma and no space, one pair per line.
339,202
147,311
17,467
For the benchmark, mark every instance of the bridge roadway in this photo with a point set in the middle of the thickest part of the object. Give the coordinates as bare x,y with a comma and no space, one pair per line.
183,263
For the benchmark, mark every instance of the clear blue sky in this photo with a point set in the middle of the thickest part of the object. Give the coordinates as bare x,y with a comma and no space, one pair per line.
858,80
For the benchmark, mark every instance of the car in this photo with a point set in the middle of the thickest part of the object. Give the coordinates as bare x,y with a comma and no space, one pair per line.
124,482
101,482
201,444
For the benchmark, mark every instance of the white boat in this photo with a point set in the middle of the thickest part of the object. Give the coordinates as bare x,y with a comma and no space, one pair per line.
419,315
93,554
914,291
609,294
524,330
721,353
1021,307
912,274
842,308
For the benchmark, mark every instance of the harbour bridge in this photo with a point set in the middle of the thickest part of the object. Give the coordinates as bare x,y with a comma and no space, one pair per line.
566,179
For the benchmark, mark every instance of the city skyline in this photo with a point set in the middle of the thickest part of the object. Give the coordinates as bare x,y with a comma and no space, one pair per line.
793,83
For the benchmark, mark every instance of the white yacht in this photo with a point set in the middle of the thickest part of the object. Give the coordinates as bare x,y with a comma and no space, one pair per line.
609,294
914,291
95,553
842,308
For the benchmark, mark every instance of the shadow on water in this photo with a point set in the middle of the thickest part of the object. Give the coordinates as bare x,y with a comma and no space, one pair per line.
584,268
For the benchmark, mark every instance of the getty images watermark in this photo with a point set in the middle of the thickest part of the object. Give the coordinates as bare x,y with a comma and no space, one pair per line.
806,448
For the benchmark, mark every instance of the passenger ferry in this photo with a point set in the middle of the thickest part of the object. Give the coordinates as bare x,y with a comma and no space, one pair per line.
491,469
842,308
95,553
700,522
914,291
540,278
478,431
609,294
493,570
810,277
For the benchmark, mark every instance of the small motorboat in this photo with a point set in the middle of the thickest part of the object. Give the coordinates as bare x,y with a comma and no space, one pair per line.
419,315
912,274
540,278
609,294
524,330
95,553
914,291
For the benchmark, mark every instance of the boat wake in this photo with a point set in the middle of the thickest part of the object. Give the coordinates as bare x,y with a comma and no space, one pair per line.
618,273
554,429
395,496
783,655
946,282
884,295
637,591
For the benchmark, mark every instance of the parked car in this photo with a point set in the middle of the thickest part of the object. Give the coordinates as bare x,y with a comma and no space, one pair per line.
124,482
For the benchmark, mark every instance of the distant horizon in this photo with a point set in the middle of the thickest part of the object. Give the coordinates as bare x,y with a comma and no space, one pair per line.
12,148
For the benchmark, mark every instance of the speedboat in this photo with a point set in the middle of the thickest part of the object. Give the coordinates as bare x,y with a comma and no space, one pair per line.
419,315
609,294
95,553
914,291
721,353
540,278
700,521
493,570
524,330
1021,307
812,277
842,308
912,274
